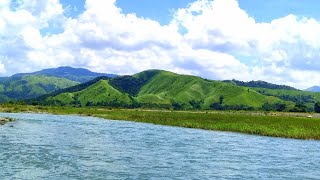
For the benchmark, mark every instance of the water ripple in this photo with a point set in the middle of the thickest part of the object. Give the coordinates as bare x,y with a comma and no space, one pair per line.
41,146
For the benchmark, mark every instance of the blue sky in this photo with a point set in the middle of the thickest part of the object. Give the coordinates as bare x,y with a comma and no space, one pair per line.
267,10
162,10
272,40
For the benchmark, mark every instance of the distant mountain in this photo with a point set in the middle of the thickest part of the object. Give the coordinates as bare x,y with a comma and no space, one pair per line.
313,89
74,74
260,84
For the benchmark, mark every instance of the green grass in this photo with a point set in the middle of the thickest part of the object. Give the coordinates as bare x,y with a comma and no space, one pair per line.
166,87
31,86
245,122
98,92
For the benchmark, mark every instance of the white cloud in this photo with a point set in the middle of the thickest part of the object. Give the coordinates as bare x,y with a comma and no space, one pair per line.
218,25
204,39
288,44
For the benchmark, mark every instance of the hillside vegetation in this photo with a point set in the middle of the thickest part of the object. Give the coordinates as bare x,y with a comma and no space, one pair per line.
31,86
80,75
166,90
305,98
27,86
260,84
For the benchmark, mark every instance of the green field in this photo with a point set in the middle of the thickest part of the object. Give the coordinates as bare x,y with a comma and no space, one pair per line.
258,123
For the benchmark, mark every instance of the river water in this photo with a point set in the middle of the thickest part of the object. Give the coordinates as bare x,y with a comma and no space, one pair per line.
42,146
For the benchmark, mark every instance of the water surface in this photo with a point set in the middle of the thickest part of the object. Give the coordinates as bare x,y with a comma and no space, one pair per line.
41,146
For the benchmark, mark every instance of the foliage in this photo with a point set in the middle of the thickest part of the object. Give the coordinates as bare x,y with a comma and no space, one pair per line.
299,107
274,107
177,106
72,89
196,104
127,84
298,98
221,99
132,84
260,84
317,107
216,106
31,86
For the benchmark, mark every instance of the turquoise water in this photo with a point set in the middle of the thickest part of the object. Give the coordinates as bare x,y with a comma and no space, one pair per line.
41,146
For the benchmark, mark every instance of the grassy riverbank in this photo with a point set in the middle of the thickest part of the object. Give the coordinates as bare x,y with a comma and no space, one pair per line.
267,124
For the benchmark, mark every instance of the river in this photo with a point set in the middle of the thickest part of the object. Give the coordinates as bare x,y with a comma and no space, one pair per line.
42,146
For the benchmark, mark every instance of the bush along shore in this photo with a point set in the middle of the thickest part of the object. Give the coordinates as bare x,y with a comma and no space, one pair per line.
4,120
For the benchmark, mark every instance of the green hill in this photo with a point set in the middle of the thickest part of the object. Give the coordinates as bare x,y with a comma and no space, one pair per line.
27,86
30,86
196,93
163,89
296,96
100,93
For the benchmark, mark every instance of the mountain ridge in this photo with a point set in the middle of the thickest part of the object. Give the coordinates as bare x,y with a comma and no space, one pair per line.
74,74
313,89
260,84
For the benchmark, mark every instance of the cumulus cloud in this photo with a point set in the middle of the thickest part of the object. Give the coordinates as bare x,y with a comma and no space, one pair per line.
285,45
207,38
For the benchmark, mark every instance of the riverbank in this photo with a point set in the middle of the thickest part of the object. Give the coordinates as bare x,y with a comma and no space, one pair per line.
4,120
286,125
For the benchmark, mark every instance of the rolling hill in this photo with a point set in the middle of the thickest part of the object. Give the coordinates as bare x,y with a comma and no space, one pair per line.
31,86
163,89
74,74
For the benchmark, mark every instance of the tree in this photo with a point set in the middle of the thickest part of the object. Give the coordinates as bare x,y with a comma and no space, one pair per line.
267,106
177,106
35,103
280,107
196,104
221,99
216,106
299,107
274,107
317,107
